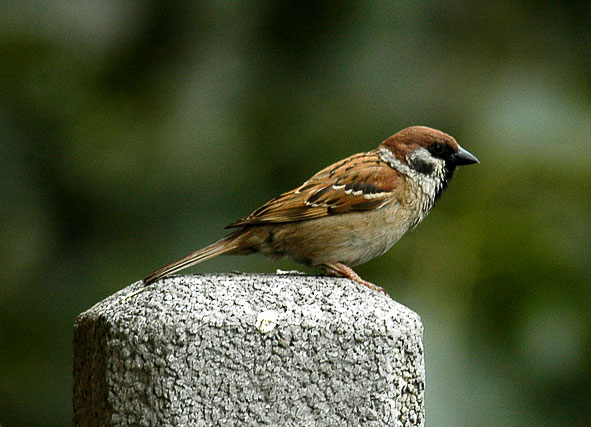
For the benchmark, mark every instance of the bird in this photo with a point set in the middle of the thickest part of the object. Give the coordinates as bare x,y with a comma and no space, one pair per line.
349,212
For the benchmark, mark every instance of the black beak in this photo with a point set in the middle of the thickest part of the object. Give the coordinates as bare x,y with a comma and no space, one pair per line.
464,157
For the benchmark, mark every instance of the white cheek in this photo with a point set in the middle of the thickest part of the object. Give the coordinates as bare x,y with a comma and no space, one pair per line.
428,185
422,155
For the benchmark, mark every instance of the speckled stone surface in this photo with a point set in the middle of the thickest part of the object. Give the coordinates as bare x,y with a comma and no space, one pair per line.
245,349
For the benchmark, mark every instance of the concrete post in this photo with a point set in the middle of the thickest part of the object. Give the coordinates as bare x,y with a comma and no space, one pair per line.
246,349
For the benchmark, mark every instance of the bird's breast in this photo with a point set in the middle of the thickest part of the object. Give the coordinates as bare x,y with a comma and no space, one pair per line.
352,238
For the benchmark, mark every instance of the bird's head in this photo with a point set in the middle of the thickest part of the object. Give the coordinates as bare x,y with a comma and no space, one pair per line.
424,153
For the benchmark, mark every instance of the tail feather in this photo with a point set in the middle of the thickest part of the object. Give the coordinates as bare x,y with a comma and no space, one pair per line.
222,246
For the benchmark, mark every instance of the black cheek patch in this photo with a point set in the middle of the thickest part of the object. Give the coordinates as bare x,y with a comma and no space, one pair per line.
422,166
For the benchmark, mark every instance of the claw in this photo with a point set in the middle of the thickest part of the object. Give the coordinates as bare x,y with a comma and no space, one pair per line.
342,270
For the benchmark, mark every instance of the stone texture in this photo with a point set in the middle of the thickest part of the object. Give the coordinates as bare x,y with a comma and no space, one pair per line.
241,349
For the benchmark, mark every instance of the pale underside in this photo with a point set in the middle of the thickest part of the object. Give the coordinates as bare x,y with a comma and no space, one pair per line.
338,216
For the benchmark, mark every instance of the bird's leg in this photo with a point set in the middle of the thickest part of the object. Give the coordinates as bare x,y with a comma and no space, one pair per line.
342,270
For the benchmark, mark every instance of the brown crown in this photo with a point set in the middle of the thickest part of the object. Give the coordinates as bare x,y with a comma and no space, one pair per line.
411,138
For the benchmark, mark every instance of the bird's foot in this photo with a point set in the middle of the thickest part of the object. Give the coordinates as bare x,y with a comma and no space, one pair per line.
340,269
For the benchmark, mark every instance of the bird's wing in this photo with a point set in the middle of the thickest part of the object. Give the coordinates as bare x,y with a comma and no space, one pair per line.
361,182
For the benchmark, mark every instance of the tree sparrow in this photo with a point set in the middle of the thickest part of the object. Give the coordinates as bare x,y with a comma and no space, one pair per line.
350,212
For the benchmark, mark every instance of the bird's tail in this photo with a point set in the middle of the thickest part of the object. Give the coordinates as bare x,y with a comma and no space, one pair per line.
223,246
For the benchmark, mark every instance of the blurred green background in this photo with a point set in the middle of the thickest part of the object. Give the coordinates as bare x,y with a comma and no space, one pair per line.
132,132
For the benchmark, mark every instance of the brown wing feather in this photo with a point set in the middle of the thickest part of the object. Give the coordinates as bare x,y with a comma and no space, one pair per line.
358,183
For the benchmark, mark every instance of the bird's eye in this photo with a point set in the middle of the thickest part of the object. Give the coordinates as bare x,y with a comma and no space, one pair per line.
437,149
